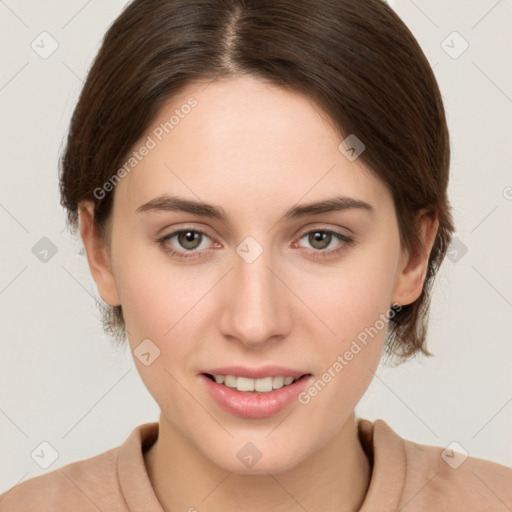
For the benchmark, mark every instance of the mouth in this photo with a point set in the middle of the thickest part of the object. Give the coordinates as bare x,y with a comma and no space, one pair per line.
254,393
248,385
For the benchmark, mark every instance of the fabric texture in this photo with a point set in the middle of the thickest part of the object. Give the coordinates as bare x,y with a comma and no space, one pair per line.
406,476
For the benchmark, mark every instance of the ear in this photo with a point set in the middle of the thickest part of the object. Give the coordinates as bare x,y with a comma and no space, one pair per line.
413,267
97,255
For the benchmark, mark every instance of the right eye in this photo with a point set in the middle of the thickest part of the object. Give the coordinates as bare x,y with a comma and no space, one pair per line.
186,241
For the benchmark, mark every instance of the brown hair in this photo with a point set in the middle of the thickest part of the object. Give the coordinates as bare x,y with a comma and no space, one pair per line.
357,60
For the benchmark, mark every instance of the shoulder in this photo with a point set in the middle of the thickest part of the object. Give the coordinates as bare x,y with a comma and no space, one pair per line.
449,479
86,485
115,480
439,478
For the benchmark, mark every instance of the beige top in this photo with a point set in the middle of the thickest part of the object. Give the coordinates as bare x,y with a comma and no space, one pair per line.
406,476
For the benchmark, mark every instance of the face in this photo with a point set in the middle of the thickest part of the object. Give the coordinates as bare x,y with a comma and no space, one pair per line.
263,289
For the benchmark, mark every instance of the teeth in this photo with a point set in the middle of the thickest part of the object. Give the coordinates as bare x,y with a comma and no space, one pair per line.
264,385
245,384
277,382
230,381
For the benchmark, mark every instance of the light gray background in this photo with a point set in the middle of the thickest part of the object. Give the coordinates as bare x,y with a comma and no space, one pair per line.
61,380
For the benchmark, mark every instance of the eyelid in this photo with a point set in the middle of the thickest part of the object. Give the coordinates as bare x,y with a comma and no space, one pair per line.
325,227
343,239
205,231
198,227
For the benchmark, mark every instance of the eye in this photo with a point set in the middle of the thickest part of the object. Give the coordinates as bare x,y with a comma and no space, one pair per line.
326,242
186,241
190,243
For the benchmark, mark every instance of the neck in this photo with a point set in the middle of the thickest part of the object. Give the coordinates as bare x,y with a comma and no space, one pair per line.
335,478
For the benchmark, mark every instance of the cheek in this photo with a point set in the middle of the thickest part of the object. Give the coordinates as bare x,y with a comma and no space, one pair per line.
161,302
157,295
166,303
351,296
354,303
161,298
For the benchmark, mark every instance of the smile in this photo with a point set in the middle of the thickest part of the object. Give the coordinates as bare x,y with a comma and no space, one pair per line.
263,385
254,393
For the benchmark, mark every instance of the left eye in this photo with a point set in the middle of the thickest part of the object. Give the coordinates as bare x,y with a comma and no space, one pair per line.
321,239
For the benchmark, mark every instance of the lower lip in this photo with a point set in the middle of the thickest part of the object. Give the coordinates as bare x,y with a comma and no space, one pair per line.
251,404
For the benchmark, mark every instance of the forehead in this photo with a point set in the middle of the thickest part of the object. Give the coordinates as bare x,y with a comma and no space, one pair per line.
239,142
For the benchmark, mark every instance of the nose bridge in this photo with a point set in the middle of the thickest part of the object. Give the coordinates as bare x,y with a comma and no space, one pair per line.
255,309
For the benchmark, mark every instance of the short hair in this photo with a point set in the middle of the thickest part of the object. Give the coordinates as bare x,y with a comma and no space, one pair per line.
357,60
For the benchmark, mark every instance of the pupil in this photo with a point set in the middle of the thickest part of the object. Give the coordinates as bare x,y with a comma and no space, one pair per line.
321,238
188,239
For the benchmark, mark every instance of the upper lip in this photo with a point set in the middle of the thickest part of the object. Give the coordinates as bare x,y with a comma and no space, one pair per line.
257,373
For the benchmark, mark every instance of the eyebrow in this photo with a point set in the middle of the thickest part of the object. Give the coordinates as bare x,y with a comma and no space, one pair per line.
166,203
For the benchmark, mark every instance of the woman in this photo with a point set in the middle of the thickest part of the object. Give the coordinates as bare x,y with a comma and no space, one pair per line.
261,190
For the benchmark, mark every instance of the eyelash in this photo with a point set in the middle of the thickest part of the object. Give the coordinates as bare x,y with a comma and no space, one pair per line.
345,240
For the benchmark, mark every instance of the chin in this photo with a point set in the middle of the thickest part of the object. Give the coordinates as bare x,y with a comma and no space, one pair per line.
258,457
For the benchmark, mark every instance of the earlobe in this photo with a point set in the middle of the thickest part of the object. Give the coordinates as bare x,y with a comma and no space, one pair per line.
413,267
97,255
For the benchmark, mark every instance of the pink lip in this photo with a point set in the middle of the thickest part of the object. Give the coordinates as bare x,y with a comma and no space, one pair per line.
256,373
252,404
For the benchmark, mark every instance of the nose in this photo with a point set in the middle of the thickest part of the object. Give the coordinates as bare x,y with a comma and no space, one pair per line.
255,303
